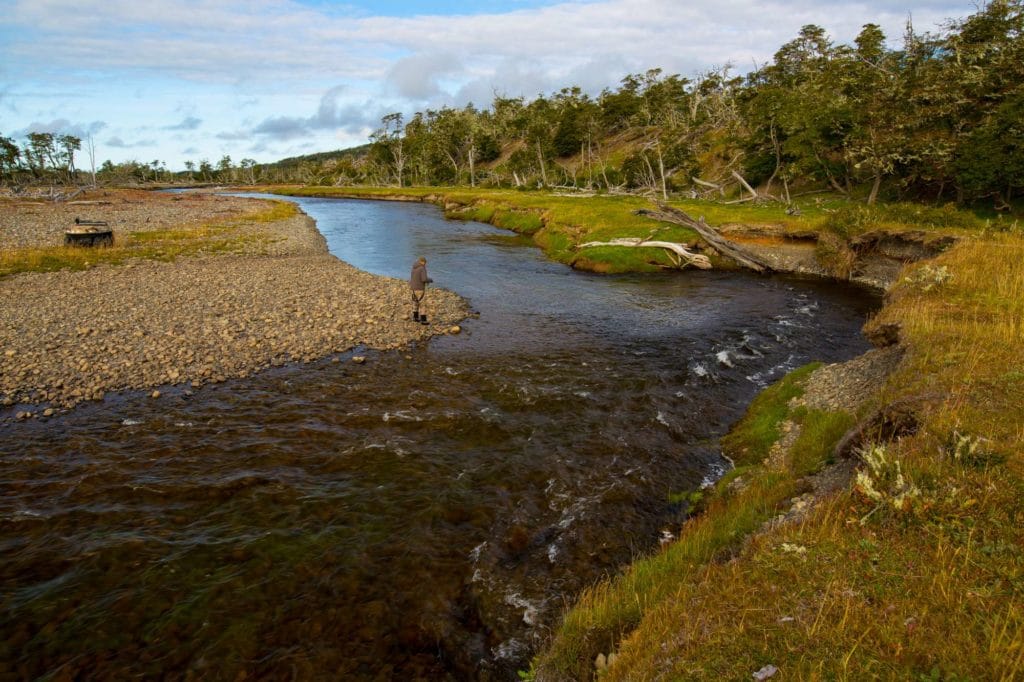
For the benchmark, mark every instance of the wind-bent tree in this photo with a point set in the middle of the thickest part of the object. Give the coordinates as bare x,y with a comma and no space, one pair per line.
10,157
248,167
388,147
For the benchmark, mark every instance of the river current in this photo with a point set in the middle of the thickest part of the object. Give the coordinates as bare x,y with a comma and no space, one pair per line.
428,514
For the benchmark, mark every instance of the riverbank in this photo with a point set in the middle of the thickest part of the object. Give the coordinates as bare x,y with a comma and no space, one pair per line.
197,289
826,237
876,506
875,509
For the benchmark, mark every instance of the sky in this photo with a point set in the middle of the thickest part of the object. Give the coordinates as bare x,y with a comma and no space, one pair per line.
269,79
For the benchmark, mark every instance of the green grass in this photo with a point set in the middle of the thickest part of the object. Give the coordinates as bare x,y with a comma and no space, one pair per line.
819,432
751,439
559,223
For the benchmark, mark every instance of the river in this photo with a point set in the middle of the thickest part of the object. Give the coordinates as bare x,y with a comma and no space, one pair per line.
427,514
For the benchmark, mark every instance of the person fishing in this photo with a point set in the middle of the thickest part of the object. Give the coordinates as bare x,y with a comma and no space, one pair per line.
418,282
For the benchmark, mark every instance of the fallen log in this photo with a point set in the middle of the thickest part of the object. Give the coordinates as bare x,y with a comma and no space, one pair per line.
709,234
710,185
753,192
679,254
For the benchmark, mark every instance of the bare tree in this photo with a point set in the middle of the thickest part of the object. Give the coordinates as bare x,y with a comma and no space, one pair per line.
90,149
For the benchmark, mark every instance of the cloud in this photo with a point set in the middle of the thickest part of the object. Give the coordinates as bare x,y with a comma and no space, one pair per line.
240,57
198,40
188,123
229,40
283,127
416,77
62,126
118,143
6,100
330,115
234,136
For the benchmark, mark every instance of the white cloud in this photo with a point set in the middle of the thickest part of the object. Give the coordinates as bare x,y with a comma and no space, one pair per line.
188,123
330,115
416,77
275,70
62,126
228,40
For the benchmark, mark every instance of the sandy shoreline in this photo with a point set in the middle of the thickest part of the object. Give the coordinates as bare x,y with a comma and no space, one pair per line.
68,336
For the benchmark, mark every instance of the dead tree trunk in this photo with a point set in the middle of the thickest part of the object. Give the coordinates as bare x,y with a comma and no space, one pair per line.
710,185
540,160
709,234
746,185
680,254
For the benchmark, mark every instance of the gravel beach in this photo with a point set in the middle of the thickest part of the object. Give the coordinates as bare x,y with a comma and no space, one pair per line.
69,336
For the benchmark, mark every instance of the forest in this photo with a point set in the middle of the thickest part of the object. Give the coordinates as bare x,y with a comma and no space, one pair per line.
937,119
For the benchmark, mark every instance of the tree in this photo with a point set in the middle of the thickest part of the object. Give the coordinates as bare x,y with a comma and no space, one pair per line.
39,153
206,170
875,143
67,146
985,72
248,167
388,146
9,158
224,169
452,134
90,149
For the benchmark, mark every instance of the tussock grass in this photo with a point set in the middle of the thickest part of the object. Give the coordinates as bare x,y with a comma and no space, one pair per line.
916,571
223,236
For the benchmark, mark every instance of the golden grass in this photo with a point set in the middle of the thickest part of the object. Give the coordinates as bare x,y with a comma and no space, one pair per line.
217,237
927,586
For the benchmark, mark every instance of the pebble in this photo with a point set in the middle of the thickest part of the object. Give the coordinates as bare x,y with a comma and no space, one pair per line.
73,336
358,359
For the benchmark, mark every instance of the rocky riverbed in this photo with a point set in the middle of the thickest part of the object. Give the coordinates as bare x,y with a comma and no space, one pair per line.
67,336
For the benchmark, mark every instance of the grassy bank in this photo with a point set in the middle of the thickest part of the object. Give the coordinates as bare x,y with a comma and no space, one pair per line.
916,571
559,223
913,571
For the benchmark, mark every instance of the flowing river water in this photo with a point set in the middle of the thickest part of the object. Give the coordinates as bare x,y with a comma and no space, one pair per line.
428,514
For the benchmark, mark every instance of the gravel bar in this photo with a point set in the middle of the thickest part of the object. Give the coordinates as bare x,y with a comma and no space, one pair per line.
68,336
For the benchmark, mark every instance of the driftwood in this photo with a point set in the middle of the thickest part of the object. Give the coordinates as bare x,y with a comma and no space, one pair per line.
710,185
743,182
709,234
682,256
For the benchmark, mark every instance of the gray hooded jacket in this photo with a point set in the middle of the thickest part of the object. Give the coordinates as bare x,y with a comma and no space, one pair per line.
418,280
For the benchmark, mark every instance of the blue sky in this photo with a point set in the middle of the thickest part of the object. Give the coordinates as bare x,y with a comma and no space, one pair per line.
268,79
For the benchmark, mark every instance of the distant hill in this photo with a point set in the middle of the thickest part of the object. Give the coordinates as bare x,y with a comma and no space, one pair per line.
293,162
